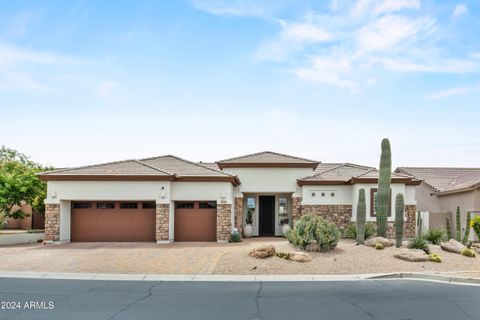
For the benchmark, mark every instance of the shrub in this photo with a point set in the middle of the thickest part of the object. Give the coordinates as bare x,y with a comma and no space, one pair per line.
435,258
378,246
468,253
235,237
311,229
475,224
419,242
351,230
434,236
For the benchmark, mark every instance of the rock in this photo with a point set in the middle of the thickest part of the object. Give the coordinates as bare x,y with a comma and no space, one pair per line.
263,251
312,247
300,257
452,246
412,255
384,241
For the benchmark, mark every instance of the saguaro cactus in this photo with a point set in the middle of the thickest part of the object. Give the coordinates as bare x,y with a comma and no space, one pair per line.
361,216
399,210
383,191
458,228
467,228
419,223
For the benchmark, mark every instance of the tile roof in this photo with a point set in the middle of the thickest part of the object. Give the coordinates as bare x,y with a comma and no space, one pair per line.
347,173
125,167
182,167
267,157
444,179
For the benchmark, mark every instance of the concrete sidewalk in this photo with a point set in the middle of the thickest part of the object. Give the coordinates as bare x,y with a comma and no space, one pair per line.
240,278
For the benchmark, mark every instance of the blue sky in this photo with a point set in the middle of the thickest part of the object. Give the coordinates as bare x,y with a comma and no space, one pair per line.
85,82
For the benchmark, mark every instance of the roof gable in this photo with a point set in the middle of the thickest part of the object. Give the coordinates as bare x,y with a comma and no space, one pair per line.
182,167
267,159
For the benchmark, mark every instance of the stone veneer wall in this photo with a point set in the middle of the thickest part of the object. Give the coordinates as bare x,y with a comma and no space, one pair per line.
409,226
341,215
162,221
296,209
224,222
239,214
52,222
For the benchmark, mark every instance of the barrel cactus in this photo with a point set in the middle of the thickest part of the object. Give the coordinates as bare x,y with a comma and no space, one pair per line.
383,192
467,228
399,210
361,216
458,225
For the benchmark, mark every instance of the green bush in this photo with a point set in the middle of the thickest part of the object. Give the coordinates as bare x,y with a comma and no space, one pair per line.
310,229
475,224
468,253
419,242
351,230
378,246
235,237
434,236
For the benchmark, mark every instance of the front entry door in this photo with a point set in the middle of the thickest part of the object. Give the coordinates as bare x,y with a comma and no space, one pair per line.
267,215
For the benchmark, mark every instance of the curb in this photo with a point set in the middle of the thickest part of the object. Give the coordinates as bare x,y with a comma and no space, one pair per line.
241,278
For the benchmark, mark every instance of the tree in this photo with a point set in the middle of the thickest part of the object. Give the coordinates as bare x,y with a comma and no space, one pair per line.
19,183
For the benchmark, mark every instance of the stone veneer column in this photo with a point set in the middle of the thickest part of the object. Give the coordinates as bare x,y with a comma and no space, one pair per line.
409,225
224,222
239,214
52,222
162,222
296,209
340,215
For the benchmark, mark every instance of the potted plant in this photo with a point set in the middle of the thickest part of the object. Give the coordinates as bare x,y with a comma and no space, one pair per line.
285,226
248,229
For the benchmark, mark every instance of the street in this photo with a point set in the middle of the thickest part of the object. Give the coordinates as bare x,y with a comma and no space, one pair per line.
379,299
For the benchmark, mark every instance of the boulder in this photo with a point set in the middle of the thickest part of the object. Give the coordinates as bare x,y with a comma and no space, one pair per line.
300,257
373,241
312,247
264,251
452,246
413,255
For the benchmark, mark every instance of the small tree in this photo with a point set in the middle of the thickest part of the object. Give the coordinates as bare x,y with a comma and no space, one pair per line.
19,184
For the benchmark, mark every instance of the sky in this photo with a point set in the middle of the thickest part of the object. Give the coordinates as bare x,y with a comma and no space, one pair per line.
84,82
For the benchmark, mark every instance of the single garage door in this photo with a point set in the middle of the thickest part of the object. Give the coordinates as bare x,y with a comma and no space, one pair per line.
112,221
195,221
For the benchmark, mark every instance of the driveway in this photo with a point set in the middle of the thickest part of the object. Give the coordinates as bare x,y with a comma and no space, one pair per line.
386,299
218,258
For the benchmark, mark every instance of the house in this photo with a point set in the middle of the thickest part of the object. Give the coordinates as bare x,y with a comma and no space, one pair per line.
168,198
442,190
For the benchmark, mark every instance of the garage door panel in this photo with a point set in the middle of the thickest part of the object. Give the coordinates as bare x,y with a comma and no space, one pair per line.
112,225
195,224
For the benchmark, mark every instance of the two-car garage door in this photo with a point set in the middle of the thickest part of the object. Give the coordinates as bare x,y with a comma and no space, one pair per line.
112,221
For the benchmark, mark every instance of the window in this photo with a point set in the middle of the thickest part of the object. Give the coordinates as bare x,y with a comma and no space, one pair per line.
128,205
313,194
105,205
82,205
282,210
373,203
207,205
250,209
323,194
332,194
184,205
148,205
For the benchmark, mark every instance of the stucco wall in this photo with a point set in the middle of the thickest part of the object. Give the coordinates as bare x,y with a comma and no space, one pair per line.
269,180
222,192
108,190
425,201
343,195
468,201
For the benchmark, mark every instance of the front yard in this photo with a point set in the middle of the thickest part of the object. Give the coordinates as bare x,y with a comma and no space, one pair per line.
214,258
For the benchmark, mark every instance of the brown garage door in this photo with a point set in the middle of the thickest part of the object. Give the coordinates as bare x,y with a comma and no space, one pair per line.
196,221
108,221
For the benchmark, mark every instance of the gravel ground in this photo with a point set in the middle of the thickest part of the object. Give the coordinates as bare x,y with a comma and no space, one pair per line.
347,258
219,258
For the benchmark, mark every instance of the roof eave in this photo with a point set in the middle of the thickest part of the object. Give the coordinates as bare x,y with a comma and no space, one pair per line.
312,165
104,177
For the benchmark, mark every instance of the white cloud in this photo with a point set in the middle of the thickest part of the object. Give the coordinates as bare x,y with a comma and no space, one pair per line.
105,89
388,6
447,93
459,10
232,7
475,55
304,32
431,66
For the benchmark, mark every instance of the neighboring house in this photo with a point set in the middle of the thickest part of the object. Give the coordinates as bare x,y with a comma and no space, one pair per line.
167,198
33,220
442,190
